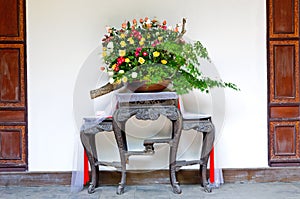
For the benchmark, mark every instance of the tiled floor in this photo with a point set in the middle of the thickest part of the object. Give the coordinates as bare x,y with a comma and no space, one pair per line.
158,191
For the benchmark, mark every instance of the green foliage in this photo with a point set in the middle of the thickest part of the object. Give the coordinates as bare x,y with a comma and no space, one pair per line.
152,52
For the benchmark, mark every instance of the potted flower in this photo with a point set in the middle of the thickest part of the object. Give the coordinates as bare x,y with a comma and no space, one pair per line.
151,52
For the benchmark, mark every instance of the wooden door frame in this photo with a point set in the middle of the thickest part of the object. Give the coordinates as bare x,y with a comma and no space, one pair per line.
13,110
283,82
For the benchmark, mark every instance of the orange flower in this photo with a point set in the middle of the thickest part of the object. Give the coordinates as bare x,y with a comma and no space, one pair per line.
164,22
146,18
149,25
134,22
124,25
141,20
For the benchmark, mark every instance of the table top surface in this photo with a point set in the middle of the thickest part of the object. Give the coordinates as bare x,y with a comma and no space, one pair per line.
136,97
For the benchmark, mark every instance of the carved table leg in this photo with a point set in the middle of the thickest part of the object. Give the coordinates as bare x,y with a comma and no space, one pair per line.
177,127
208,141
122,145
88,141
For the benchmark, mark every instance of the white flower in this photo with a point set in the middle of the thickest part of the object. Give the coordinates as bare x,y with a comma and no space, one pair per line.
110,46
134,75
108,29
121,71
111,80
110,73
124,79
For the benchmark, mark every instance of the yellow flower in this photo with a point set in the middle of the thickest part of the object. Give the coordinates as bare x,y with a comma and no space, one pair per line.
141,43
160,38
104,48
104,54
148,36
123,43
124,79
122,35
118,81
156,54
141,60
127,60
131,41
122,53
164,61
143,39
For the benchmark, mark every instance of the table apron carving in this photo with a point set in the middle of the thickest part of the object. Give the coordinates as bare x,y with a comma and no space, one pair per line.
147,113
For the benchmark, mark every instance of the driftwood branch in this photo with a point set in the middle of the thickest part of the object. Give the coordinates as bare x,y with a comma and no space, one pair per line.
183,30
107,88
183,26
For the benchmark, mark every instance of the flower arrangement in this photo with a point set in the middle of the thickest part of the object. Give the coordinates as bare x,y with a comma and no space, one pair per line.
152,52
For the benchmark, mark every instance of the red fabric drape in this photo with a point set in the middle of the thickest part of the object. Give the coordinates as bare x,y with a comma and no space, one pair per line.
212,166
86,176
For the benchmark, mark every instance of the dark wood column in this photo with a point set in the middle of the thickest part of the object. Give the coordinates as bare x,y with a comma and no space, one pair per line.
283,82
13,103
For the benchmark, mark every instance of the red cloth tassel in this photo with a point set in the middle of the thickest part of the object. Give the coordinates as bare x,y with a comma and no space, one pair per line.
86,176
212,166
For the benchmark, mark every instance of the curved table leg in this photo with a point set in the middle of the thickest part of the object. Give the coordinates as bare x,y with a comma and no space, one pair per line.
119,130
203,171
177,127
88,141
208,141
121,186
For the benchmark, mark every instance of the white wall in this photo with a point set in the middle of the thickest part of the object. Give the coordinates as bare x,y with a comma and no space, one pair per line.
63,34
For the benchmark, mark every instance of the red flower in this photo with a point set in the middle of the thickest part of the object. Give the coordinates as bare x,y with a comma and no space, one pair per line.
145,53
155,43
116,68
120,60
137,51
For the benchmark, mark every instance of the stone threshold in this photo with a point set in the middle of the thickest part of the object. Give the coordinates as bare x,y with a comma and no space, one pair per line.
138,177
